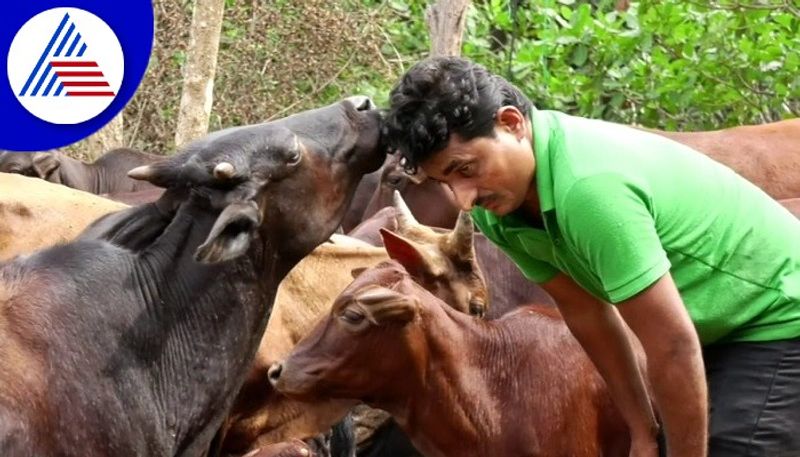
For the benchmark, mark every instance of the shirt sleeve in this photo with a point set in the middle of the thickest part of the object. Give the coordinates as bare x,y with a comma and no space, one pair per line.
608,223
533,269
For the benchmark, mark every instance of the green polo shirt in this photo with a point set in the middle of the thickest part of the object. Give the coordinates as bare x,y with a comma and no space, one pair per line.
622,207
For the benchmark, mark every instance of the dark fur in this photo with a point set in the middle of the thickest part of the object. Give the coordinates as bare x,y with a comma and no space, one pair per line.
121,343
106,175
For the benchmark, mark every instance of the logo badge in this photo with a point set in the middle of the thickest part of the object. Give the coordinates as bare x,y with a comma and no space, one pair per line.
65,65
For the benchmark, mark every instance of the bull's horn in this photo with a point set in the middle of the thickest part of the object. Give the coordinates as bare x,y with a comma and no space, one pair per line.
460,239
143,173
404,217
223,171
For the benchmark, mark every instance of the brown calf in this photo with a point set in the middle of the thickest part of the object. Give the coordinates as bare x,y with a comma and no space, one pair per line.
444,261
517,386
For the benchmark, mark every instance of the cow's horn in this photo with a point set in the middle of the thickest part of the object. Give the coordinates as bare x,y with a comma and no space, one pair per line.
404,217
461,236
143,173
224,170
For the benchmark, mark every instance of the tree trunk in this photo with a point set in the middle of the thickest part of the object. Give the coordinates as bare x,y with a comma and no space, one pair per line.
199,70
108,137
446,20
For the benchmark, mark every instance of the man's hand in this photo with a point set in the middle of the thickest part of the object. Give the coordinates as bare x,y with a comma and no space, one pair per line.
659,319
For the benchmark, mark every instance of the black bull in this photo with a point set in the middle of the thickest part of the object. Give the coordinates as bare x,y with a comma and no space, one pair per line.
134,339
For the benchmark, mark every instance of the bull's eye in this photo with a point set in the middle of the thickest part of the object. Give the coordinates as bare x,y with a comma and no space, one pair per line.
352,317
294,158
394,180
477,308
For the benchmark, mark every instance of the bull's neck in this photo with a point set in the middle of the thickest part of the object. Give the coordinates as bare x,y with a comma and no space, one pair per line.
453,370
208,319
79,175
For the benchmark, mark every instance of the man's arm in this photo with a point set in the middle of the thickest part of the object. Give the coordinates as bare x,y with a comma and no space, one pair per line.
675,367
602,334
659,319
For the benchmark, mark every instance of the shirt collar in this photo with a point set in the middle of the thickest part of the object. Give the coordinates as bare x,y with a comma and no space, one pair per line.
540,124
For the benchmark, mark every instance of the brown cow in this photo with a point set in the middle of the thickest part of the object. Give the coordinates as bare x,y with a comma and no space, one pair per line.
106,175
35,214
517,386
508,288
444,262
431,203
768,155
135,339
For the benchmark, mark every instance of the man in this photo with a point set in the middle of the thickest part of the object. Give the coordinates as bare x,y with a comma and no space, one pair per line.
699,263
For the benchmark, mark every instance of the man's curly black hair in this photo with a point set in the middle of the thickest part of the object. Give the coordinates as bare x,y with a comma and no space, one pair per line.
441,96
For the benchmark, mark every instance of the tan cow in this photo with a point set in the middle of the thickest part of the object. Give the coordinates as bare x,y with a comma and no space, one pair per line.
35,214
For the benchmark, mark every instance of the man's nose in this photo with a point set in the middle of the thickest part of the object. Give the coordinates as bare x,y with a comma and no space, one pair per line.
465,196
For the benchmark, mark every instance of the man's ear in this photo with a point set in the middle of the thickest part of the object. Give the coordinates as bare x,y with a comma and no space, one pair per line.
511,118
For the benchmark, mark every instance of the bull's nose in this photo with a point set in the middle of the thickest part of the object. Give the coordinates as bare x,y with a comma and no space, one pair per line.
274,373
362,102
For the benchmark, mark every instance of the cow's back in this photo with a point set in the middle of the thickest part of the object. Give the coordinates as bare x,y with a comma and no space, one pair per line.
36,214
767,155
560,394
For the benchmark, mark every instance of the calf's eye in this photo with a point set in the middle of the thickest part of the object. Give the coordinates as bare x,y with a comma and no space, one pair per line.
352,317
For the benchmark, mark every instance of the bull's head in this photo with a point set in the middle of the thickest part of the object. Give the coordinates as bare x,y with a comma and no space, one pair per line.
443,261
34,164
289,180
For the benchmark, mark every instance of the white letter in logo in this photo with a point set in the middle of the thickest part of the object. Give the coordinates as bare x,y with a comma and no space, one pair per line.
65,65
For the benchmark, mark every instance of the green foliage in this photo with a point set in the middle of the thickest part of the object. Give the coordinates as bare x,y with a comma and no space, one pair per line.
673,64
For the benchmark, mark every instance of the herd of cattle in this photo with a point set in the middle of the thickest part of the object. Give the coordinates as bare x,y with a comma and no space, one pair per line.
221,315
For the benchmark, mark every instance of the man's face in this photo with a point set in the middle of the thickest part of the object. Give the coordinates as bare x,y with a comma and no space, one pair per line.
495,173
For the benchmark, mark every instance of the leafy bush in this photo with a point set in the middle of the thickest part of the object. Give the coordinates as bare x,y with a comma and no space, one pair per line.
673,64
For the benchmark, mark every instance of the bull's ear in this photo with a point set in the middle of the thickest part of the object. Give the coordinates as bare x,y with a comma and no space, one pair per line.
411,256
231,234
45,163
384,305
356,272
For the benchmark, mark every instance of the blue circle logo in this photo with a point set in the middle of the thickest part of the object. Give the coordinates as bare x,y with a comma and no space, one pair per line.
69,69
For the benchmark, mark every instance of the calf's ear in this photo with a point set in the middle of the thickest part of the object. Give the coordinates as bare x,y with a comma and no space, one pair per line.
413,257
45,163
231,234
